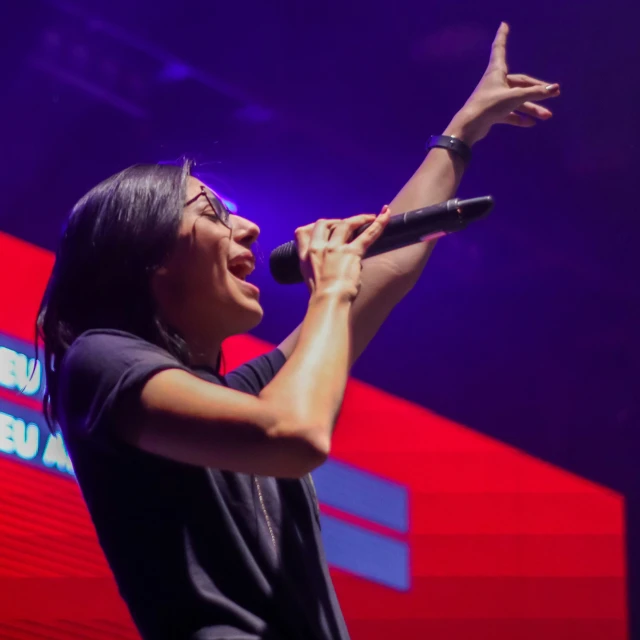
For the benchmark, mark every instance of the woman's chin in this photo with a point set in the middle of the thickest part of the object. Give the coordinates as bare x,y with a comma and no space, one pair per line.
258,312
252,315
242,313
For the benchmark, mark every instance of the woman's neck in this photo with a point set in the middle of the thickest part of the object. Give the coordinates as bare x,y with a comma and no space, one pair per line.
204,352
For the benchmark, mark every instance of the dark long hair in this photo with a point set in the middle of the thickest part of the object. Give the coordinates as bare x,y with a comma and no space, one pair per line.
113,240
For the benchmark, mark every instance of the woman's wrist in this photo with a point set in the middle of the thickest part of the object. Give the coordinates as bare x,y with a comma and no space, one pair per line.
336,294
464,127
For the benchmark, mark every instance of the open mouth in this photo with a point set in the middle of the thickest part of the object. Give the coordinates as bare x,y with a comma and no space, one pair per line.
241,267
241,270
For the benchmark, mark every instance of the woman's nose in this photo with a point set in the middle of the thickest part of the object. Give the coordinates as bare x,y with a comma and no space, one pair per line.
245,232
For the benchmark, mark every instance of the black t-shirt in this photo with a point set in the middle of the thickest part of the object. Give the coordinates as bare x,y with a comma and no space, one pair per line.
191,548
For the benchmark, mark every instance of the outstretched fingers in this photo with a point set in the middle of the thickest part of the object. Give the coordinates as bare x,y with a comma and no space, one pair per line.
523,80
498,58
538,92
518,120
535,110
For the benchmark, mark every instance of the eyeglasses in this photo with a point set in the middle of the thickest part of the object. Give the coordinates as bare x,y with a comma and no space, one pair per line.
219,209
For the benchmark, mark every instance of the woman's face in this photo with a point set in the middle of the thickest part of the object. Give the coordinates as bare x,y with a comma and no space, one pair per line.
201,288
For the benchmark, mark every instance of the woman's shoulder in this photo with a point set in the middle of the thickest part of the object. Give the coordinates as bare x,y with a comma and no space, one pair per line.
96,336
100,367
99,348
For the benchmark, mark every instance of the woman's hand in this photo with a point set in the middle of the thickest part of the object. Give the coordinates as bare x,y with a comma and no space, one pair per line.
330,259
501,97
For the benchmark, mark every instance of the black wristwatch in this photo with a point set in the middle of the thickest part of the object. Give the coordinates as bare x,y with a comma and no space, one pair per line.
452,144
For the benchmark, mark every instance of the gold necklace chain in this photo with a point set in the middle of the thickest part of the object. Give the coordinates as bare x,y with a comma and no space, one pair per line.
266,515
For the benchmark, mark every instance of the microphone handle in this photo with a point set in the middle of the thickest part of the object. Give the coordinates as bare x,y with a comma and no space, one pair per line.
413,226
402,230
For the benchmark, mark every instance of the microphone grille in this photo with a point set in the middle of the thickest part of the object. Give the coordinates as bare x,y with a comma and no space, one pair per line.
284,264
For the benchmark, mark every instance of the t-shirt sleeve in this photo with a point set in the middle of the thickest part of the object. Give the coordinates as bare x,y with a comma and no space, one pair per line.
253,376
100,369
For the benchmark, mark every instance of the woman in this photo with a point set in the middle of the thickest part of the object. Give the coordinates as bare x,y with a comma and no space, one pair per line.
198,483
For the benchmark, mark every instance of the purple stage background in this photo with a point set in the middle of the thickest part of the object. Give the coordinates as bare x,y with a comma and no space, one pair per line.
524,327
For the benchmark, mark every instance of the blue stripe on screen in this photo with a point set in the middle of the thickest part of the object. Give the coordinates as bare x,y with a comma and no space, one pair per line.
363,494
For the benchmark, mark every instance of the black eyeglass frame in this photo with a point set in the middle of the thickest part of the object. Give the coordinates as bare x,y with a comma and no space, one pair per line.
221,212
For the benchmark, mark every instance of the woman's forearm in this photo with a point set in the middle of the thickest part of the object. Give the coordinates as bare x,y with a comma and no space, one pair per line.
312,382
387,278
435,180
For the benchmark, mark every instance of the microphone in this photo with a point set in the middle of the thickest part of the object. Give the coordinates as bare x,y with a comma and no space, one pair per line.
402,230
